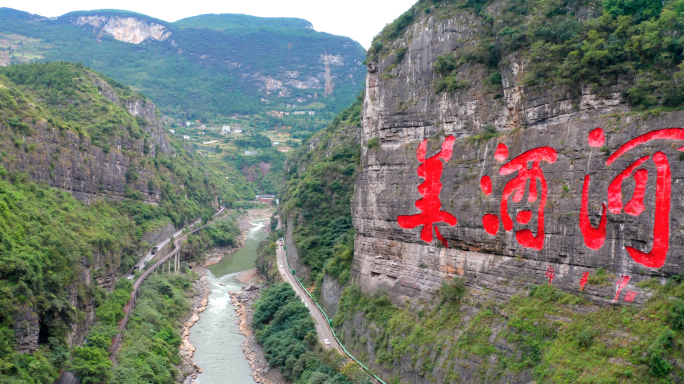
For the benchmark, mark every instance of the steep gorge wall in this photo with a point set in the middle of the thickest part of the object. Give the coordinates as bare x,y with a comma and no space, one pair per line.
401,109
66,160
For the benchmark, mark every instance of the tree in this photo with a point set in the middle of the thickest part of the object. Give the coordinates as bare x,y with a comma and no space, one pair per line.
90,365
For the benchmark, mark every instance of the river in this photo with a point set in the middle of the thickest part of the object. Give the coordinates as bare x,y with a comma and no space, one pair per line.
216,336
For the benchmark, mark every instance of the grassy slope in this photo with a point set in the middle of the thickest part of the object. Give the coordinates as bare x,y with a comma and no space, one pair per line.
556,336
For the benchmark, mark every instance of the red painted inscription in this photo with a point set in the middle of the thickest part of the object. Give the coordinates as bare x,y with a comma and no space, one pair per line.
630,296
516,189
550,273
583,280
430,205
621,283
594,238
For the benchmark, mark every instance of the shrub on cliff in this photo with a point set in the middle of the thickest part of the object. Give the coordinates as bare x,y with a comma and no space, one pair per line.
90,365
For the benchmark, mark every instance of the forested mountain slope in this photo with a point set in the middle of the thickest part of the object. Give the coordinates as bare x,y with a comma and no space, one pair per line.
515,209
88,179
200,67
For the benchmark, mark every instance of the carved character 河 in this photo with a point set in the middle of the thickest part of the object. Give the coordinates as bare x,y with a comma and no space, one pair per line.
594,238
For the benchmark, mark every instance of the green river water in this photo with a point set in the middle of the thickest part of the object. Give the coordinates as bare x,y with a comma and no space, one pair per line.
216,336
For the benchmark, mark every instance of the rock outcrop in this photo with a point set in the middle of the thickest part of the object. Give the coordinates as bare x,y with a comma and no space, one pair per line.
126,29
402,109
69,161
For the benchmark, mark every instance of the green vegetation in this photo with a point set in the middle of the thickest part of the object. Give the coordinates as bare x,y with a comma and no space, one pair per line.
90,363
64,96
208,66
150,343
266,257
223,233
285,328
322,194
229,20
570,44
45,236
558,337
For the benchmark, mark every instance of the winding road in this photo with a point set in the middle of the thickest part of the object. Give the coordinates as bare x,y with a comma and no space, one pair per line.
322,327
67,377
149,256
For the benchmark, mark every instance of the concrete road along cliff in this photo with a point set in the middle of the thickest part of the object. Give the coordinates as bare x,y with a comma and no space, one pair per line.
322,326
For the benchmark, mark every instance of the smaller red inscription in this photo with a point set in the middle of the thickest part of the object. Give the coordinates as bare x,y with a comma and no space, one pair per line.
486,185
621,283
501,152
596,138
630,296
583,280
550,273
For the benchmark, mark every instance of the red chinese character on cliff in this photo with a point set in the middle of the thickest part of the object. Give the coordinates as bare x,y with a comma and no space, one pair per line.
430,205
630,296
516,188
621,283
583,280
550,274
595,237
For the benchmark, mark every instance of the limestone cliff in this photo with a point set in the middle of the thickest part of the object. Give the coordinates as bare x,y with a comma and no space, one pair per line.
402,109
126,29
472,172
69,160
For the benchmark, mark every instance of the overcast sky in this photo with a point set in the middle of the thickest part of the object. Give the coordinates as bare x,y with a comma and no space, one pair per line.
358,19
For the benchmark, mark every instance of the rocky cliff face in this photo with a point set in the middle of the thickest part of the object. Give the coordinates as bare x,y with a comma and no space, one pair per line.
69,161
548,131
126,29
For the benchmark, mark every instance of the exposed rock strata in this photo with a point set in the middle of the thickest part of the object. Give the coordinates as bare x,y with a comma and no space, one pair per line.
401,109
188,370
68,161
126,29
261,371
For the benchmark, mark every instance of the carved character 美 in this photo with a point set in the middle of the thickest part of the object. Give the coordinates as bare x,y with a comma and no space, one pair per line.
594,238
430,205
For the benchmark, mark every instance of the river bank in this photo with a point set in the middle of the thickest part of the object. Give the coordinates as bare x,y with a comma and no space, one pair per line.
189,370
244,221
261,371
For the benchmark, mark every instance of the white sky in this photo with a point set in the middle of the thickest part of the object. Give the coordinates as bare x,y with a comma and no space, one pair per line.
358,19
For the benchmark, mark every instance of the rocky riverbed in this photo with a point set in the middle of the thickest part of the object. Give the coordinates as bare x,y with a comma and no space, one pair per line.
261,371
188,370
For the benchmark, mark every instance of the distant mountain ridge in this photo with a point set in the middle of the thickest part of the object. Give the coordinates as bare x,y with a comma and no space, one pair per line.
200,67
231,20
